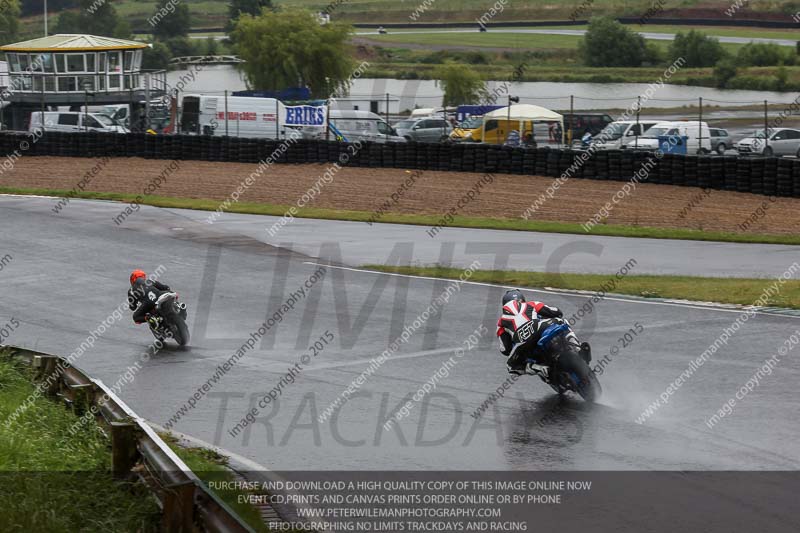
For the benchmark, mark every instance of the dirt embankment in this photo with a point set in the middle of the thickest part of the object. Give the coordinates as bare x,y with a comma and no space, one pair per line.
365,189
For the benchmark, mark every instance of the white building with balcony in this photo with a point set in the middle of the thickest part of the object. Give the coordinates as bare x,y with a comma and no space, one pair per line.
70,70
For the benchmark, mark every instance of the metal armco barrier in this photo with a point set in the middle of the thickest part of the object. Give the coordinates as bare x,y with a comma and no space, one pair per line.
758,175
137,451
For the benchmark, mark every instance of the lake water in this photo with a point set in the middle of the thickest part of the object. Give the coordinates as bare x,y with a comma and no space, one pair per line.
427,93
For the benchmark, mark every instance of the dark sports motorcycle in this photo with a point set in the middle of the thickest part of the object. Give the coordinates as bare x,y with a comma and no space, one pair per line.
567,369
170,319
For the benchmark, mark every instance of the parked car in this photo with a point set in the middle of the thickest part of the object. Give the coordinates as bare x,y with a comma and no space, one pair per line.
720,140
698,136
616,134
362,126
580,122
73,121
424,130
780,142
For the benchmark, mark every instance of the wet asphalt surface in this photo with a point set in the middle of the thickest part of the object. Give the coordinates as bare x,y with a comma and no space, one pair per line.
69,271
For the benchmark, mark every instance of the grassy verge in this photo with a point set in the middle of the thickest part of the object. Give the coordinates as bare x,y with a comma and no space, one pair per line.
612,230
43,466
54,481
210,466
742,291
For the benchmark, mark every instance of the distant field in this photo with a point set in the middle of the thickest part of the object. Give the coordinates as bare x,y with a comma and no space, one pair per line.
466,10
720,31
214,13
519,41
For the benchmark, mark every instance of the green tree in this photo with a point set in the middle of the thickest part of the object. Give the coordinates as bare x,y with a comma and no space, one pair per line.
724,71
781,79
35,7
181,46
212,46
170,20
461,84
607,43
9,22
93,19
290,48
238,8
653,54
156,57
696,48
764,55
68,22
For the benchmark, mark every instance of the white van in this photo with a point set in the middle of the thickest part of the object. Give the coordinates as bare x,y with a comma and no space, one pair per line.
618,133
362,126
253,117
73,121
692,130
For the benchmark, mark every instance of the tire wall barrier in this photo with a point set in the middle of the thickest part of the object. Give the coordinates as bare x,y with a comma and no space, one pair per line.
758,175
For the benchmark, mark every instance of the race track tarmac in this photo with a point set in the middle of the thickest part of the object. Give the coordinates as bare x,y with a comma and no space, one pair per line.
69,271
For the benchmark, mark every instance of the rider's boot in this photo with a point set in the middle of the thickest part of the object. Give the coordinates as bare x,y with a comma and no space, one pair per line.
540,370
516,364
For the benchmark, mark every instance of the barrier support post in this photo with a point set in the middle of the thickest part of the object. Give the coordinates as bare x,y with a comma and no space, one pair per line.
178,512
123,449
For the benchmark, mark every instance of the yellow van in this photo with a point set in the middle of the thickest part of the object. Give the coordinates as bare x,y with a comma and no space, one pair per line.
492,131
468,130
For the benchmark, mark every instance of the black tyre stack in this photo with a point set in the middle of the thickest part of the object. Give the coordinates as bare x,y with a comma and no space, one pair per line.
626,160
769,177
717,176
601,165
731,164
743,170
704,171
783,182
615,165
765,176
796,178
690,164
757,175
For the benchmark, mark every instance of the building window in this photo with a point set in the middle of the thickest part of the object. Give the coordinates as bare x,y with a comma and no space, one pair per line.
24,62
128,61
13,62
86,83
47,62
90,66
101,62
66,84
113,62
75,63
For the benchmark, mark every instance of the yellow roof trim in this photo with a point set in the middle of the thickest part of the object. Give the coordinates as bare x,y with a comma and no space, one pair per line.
10,48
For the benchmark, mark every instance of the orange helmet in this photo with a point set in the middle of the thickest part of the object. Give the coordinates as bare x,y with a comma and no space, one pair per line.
136,274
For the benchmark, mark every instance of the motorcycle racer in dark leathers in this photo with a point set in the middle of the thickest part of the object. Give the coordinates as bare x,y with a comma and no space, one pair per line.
516,312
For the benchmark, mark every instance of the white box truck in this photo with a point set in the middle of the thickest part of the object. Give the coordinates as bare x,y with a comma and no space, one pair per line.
251,117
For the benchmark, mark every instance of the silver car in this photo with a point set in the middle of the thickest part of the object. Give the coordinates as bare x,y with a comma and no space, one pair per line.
428,130
780,142
720,140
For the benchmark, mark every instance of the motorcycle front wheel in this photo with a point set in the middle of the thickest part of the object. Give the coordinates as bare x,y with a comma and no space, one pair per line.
181,333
